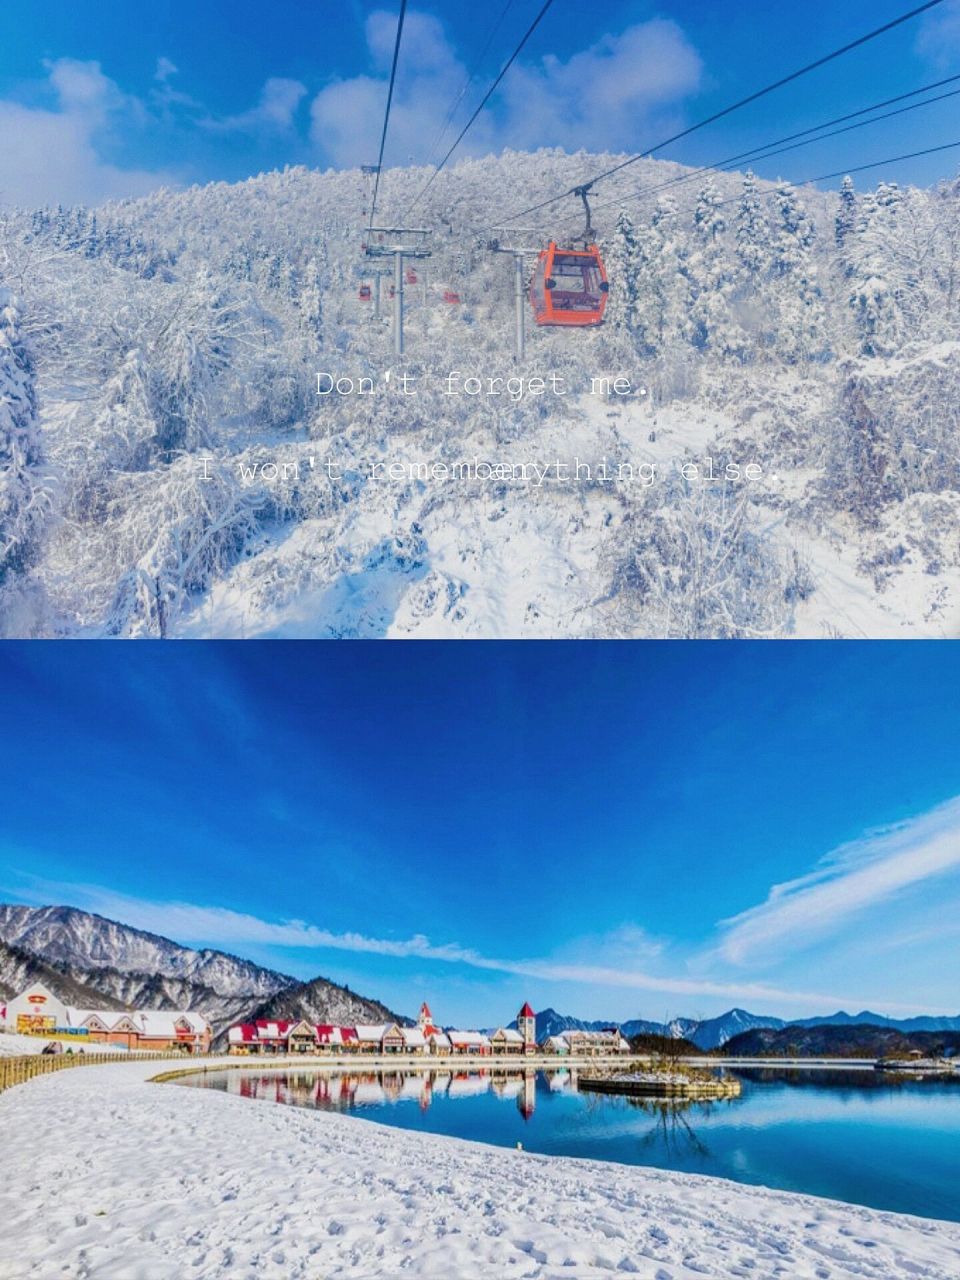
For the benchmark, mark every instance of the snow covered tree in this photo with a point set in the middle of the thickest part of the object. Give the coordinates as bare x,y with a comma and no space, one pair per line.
753,232
23,498
846,219
311,302
191,350
711,324
800,322
692,564
874,298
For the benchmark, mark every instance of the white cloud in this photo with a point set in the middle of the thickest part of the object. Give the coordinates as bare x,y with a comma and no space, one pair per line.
848,882
50,156
218,926
347,116
276,109
605,96
938,40
165,69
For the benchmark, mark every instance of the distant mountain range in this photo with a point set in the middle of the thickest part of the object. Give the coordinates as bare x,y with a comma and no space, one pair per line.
842,1040
92,962
711,1033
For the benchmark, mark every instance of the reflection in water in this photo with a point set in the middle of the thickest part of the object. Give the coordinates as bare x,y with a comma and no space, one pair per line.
673,1123
864,1136
351,1090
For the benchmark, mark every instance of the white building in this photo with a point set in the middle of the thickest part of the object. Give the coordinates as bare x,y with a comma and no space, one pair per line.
37,1011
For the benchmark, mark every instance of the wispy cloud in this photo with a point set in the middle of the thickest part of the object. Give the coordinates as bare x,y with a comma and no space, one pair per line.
276,109
881,866
190,923
938,40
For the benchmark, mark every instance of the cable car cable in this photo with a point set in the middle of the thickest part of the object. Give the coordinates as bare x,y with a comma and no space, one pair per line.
842,173
386,115
486,98
719,115
471,76
765,153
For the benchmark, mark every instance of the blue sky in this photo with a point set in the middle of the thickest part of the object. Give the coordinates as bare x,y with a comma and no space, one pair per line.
95,104
614,830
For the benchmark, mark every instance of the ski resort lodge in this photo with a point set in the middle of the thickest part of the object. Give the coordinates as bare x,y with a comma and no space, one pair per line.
38,1012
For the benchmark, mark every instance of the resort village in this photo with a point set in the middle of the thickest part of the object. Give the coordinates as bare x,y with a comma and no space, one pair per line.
38,1012
423,1039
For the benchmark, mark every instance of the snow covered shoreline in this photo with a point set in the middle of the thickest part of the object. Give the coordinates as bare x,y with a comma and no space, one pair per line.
109,1175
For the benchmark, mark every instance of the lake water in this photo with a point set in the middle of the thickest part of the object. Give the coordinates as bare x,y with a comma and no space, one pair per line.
863,1136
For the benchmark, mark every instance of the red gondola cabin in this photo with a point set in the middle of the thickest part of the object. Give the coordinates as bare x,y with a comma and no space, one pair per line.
451,297
365,293
569,286
411,276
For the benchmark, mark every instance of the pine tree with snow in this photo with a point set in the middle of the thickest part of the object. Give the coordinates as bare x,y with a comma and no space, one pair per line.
800,316
711,325
753,232
846,219
23,500
874,299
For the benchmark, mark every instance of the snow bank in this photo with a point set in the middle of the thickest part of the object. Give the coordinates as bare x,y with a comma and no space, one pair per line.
117,1178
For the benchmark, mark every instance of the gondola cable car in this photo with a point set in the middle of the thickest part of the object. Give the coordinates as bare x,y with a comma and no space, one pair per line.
569,285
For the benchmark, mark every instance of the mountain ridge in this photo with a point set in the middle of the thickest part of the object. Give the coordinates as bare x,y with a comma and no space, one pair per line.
89,960
712,1033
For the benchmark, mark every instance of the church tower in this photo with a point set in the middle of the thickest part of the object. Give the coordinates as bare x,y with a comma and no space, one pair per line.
425,1018
527,1026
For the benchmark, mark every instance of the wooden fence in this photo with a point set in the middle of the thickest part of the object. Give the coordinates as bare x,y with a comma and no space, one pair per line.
24,1067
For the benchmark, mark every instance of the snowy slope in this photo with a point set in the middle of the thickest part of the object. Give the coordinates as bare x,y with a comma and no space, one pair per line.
168,349
162,1181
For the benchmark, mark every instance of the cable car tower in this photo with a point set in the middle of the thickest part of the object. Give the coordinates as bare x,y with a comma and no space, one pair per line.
518,253
398,243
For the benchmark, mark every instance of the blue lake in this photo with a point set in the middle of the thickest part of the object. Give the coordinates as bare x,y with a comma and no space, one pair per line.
858,1135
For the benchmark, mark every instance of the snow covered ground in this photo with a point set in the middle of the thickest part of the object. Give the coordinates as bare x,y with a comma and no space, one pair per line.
13,1045
116,1178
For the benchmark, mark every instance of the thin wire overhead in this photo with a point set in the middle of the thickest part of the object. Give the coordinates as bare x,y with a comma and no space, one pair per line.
486,98
719,115
386,114
471,76
842,173
769,149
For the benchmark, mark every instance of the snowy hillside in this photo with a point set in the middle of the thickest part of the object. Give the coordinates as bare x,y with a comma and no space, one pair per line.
19,968
64,935
98,963
168,468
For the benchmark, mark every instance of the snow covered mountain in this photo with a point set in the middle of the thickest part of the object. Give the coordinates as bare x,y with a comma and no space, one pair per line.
177,472
18,969
91,961
711,1033
706,1034
90,944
